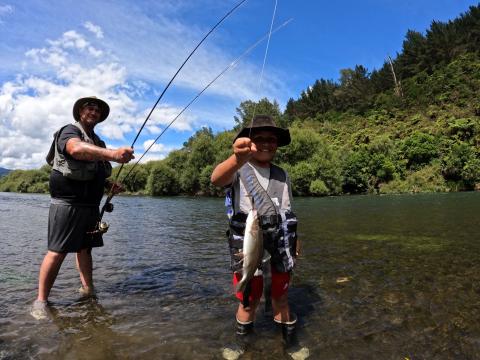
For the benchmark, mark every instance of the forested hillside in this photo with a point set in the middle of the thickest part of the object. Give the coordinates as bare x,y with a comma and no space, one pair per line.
410,126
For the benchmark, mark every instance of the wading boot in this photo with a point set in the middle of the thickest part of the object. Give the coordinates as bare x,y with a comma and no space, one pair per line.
290,341
88,292
39,310
243,331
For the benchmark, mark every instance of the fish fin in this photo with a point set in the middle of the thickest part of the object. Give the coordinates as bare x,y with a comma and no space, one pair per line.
240,286
239,255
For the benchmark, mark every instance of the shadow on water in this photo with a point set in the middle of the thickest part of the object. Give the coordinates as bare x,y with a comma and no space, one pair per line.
168,283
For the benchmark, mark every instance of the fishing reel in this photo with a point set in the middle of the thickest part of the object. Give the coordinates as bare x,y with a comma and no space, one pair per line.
101,228
109,207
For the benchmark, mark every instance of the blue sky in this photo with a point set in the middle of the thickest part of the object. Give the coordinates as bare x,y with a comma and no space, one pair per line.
125,51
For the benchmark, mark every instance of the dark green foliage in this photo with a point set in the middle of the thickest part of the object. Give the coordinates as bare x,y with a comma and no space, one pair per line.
461,163
413,58
26,181
304,144
301,175
248,109
355,91
419,149
137,180
162,180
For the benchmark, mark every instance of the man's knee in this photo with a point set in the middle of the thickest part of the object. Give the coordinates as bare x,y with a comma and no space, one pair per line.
55,257
86,251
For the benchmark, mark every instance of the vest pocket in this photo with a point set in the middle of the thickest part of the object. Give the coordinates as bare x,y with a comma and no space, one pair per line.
80,171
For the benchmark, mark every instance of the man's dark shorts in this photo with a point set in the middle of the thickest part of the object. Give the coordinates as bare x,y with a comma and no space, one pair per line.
68,226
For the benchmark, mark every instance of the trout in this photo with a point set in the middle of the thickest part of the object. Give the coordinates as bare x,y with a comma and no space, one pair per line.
252,249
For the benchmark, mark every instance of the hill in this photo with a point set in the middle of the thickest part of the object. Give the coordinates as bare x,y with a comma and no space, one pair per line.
4,171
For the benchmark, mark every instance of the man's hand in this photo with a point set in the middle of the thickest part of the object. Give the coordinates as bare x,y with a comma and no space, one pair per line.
123,155
298,248
115,188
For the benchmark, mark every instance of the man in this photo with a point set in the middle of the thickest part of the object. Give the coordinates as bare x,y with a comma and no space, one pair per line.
80,167
248,174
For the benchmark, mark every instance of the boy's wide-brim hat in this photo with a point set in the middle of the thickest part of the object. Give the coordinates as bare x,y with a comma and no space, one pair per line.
265,122
80,103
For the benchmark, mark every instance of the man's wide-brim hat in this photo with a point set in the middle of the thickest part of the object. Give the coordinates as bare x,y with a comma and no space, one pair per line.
265,122
91,100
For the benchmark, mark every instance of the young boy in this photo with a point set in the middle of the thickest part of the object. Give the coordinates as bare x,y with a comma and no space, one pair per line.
249,177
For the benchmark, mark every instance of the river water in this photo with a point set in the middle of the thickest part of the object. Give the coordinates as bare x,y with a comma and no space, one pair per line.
380,277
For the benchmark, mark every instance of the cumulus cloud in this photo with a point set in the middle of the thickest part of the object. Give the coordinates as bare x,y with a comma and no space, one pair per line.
97,30
110,62
32,107
151,146
154,151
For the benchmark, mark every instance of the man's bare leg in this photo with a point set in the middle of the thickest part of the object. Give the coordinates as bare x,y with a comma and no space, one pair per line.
85,269
48,273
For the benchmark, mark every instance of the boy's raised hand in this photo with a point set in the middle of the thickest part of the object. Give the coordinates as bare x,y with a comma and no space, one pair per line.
243,148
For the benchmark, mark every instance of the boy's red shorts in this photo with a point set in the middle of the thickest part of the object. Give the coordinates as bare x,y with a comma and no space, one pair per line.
280,282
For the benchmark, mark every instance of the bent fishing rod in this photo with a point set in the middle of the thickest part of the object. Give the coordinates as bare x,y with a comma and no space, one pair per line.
230,66
102,226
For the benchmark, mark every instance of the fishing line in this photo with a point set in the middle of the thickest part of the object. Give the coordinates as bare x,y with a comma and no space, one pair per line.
110,195
263,65
268,304
230,66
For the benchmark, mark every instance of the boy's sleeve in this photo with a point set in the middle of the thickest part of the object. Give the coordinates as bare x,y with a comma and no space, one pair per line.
234,181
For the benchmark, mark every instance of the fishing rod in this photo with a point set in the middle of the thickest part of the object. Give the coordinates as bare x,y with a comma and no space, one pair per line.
103,226
230,66
267,268
263,65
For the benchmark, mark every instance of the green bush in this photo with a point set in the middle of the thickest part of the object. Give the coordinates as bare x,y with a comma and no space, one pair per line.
427,179
26,181
318,188
419,149
301,174
162,180
135,180
463,129
304,144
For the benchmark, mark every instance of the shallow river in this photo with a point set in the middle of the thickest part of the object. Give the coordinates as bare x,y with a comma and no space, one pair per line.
380,277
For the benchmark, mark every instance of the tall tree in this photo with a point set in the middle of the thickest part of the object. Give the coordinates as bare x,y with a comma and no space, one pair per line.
355,91
248,109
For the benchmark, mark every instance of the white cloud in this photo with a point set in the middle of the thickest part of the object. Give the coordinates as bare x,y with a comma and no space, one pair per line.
33,107
97,30
125,59
5,10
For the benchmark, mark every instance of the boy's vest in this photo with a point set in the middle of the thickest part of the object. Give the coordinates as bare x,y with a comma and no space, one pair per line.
278,222
76,169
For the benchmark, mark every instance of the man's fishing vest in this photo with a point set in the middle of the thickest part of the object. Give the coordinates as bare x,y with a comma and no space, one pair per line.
76,169
278,222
